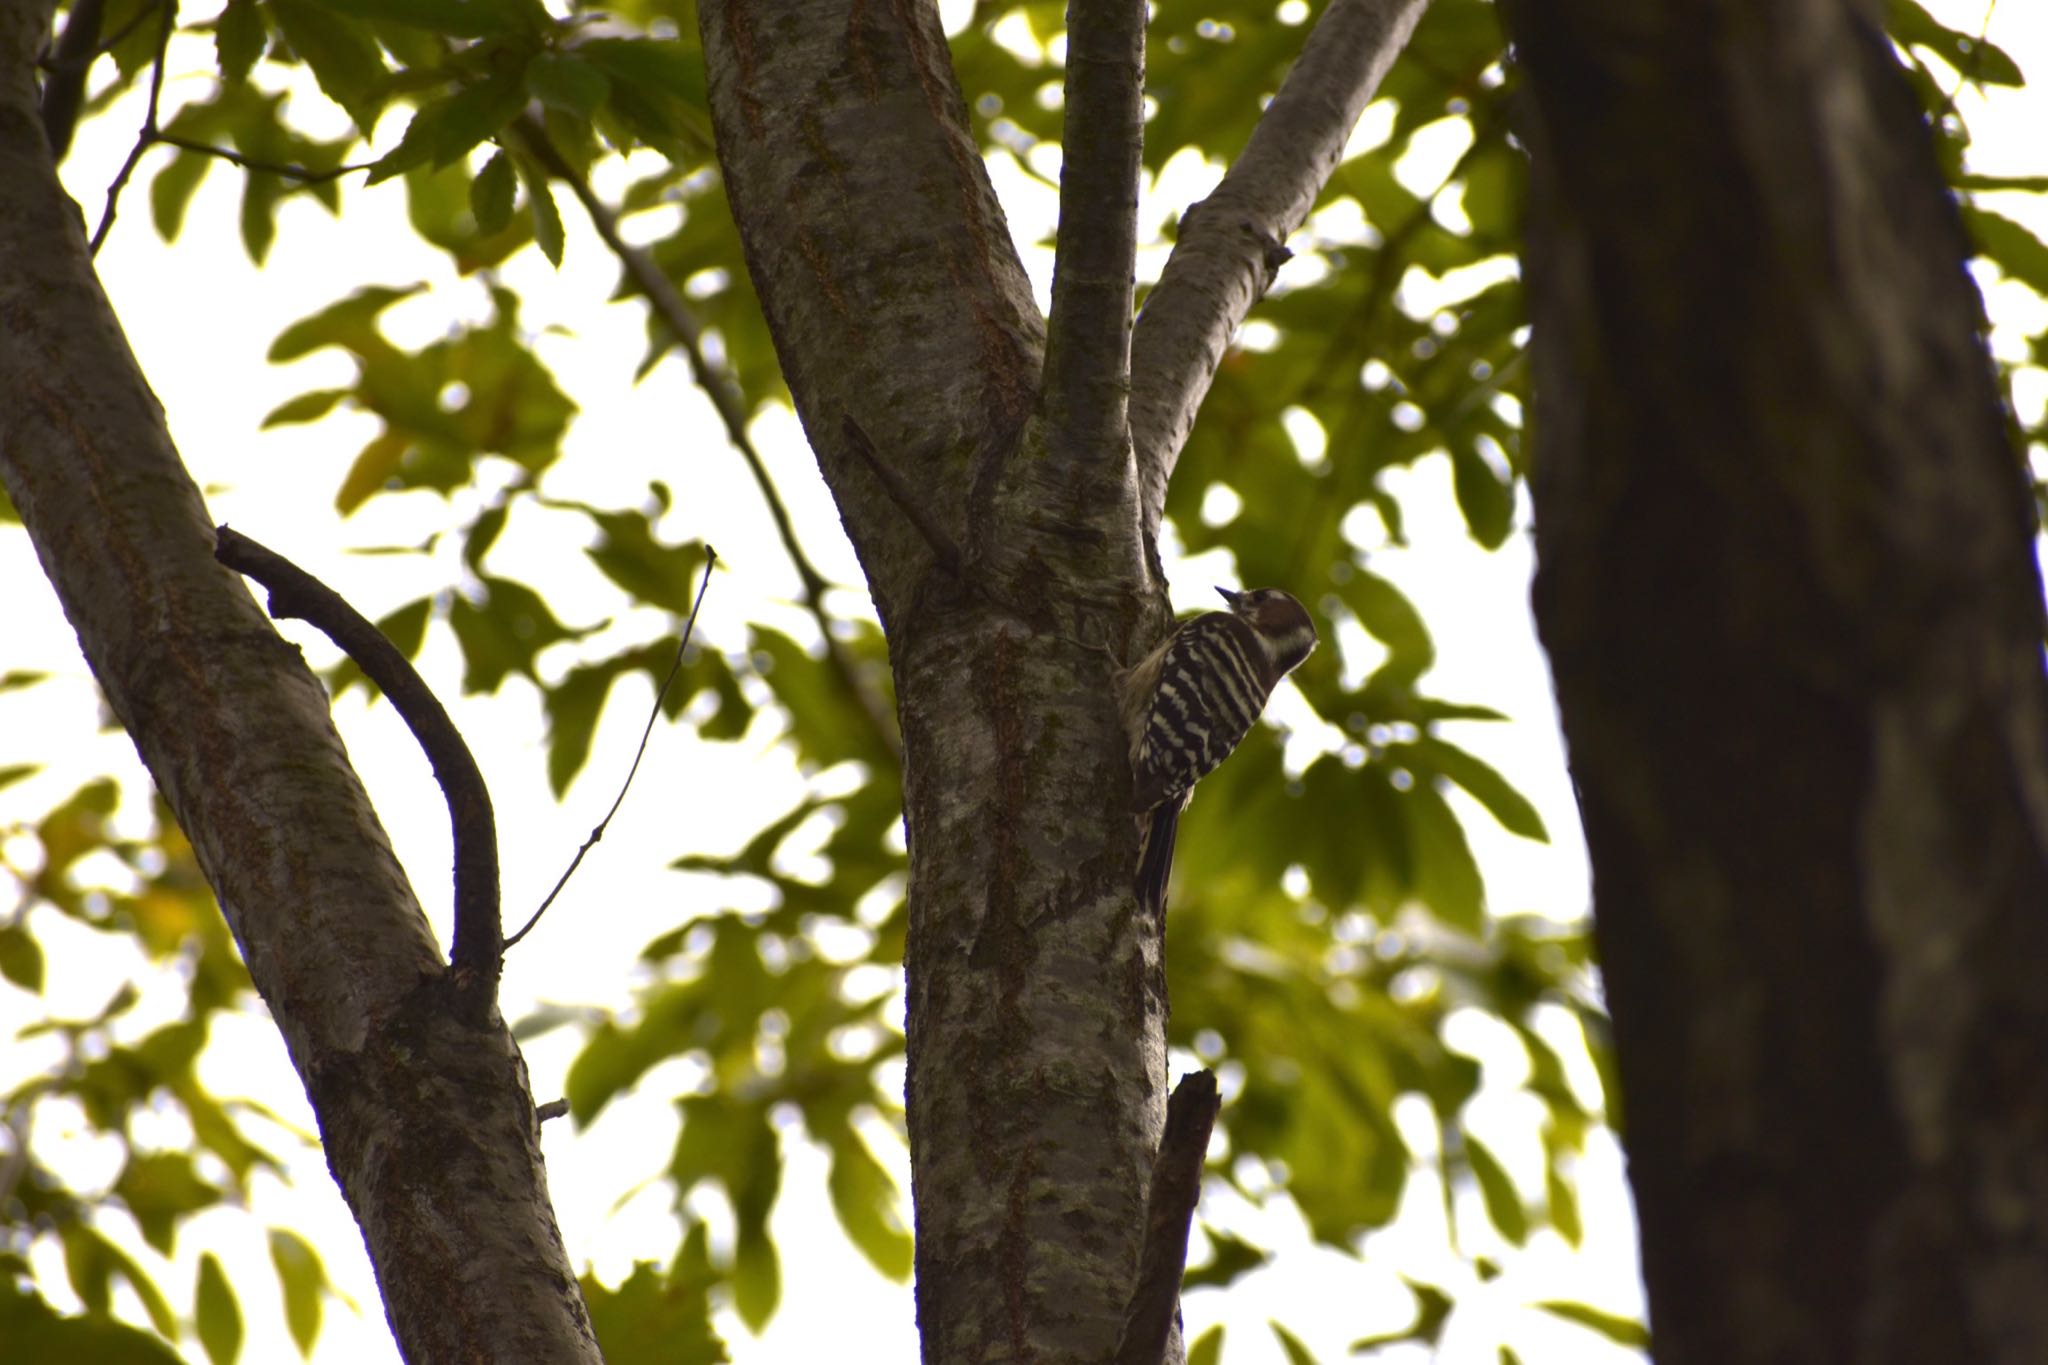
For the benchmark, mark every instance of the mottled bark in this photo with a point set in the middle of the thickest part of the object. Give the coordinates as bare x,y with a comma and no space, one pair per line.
1787,586
1036,1013
1088,347
427,1122
1037,1001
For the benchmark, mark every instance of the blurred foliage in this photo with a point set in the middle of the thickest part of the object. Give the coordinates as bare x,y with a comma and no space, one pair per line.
1331,919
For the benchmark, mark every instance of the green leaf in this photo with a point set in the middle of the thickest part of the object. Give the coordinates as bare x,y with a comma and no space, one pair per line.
447,128
260,194
756,1277
90,1264
451,18
238,39
170,193
654,1320
2027,184
547,219
1207,1349
1387,614
375,465
573,706
1503,1204
1296,1350
1979,62
1486,786
14,679
34,1332
307,407
1564,1206
2013,248
502,634
567,82
161,1189
219,1316
1487,501
21,957
660,575
345,60
490,194
1229,1258
1616,1328
11,773
300,1279
866,1201
483,534
1432,1311
660,67
1446,876
350,323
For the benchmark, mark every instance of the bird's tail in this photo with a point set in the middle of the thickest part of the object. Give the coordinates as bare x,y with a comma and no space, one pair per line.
1156,860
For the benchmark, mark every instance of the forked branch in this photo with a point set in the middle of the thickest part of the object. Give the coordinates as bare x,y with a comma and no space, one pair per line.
1232,242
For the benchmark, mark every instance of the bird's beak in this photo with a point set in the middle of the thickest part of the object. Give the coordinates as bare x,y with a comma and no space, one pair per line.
1235,599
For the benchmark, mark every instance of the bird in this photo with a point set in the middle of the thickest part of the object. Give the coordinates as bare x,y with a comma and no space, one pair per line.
1189,702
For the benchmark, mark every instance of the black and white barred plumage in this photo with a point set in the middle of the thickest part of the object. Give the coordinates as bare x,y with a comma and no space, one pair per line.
1186,706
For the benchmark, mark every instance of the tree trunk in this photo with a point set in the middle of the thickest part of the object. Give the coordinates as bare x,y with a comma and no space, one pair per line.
1037,1006
1036,990
1787,585
427,1121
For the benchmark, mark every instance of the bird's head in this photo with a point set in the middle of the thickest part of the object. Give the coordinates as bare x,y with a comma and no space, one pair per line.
1283,625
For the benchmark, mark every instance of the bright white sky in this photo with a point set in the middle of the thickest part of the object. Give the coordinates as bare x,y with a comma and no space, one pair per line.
200,317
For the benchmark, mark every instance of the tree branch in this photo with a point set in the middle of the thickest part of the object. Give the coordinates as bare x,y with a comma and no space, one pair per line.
725,397
1169,1208
1231,243
298,595
1088,343
148,135
305,175
71,56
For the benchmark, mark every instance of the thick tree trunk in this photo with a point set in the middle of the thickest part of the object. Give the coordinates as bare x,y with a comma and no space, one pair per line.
427,1121
1036,1004
1787,585
1037,1000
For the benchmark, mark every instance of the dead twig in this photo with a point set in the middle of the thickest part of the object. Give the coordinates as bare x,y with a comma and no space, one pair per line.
296,594
653,713
1154,1304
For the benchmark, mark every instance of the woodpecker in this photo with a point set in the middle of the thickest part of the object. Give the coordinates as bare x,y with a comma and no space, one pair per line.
1190,701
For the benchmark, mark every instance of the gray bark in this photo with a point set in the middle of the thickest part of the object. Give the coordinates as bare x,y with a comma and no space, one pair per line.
427,1122
1036,1005
1787,585
1037,999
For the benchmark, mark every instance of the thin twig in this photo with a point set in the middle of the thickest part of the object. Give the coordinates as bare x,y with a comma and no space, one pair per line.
653,714
148,134
725,397
297,594
305,175
906,502
1169,1208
